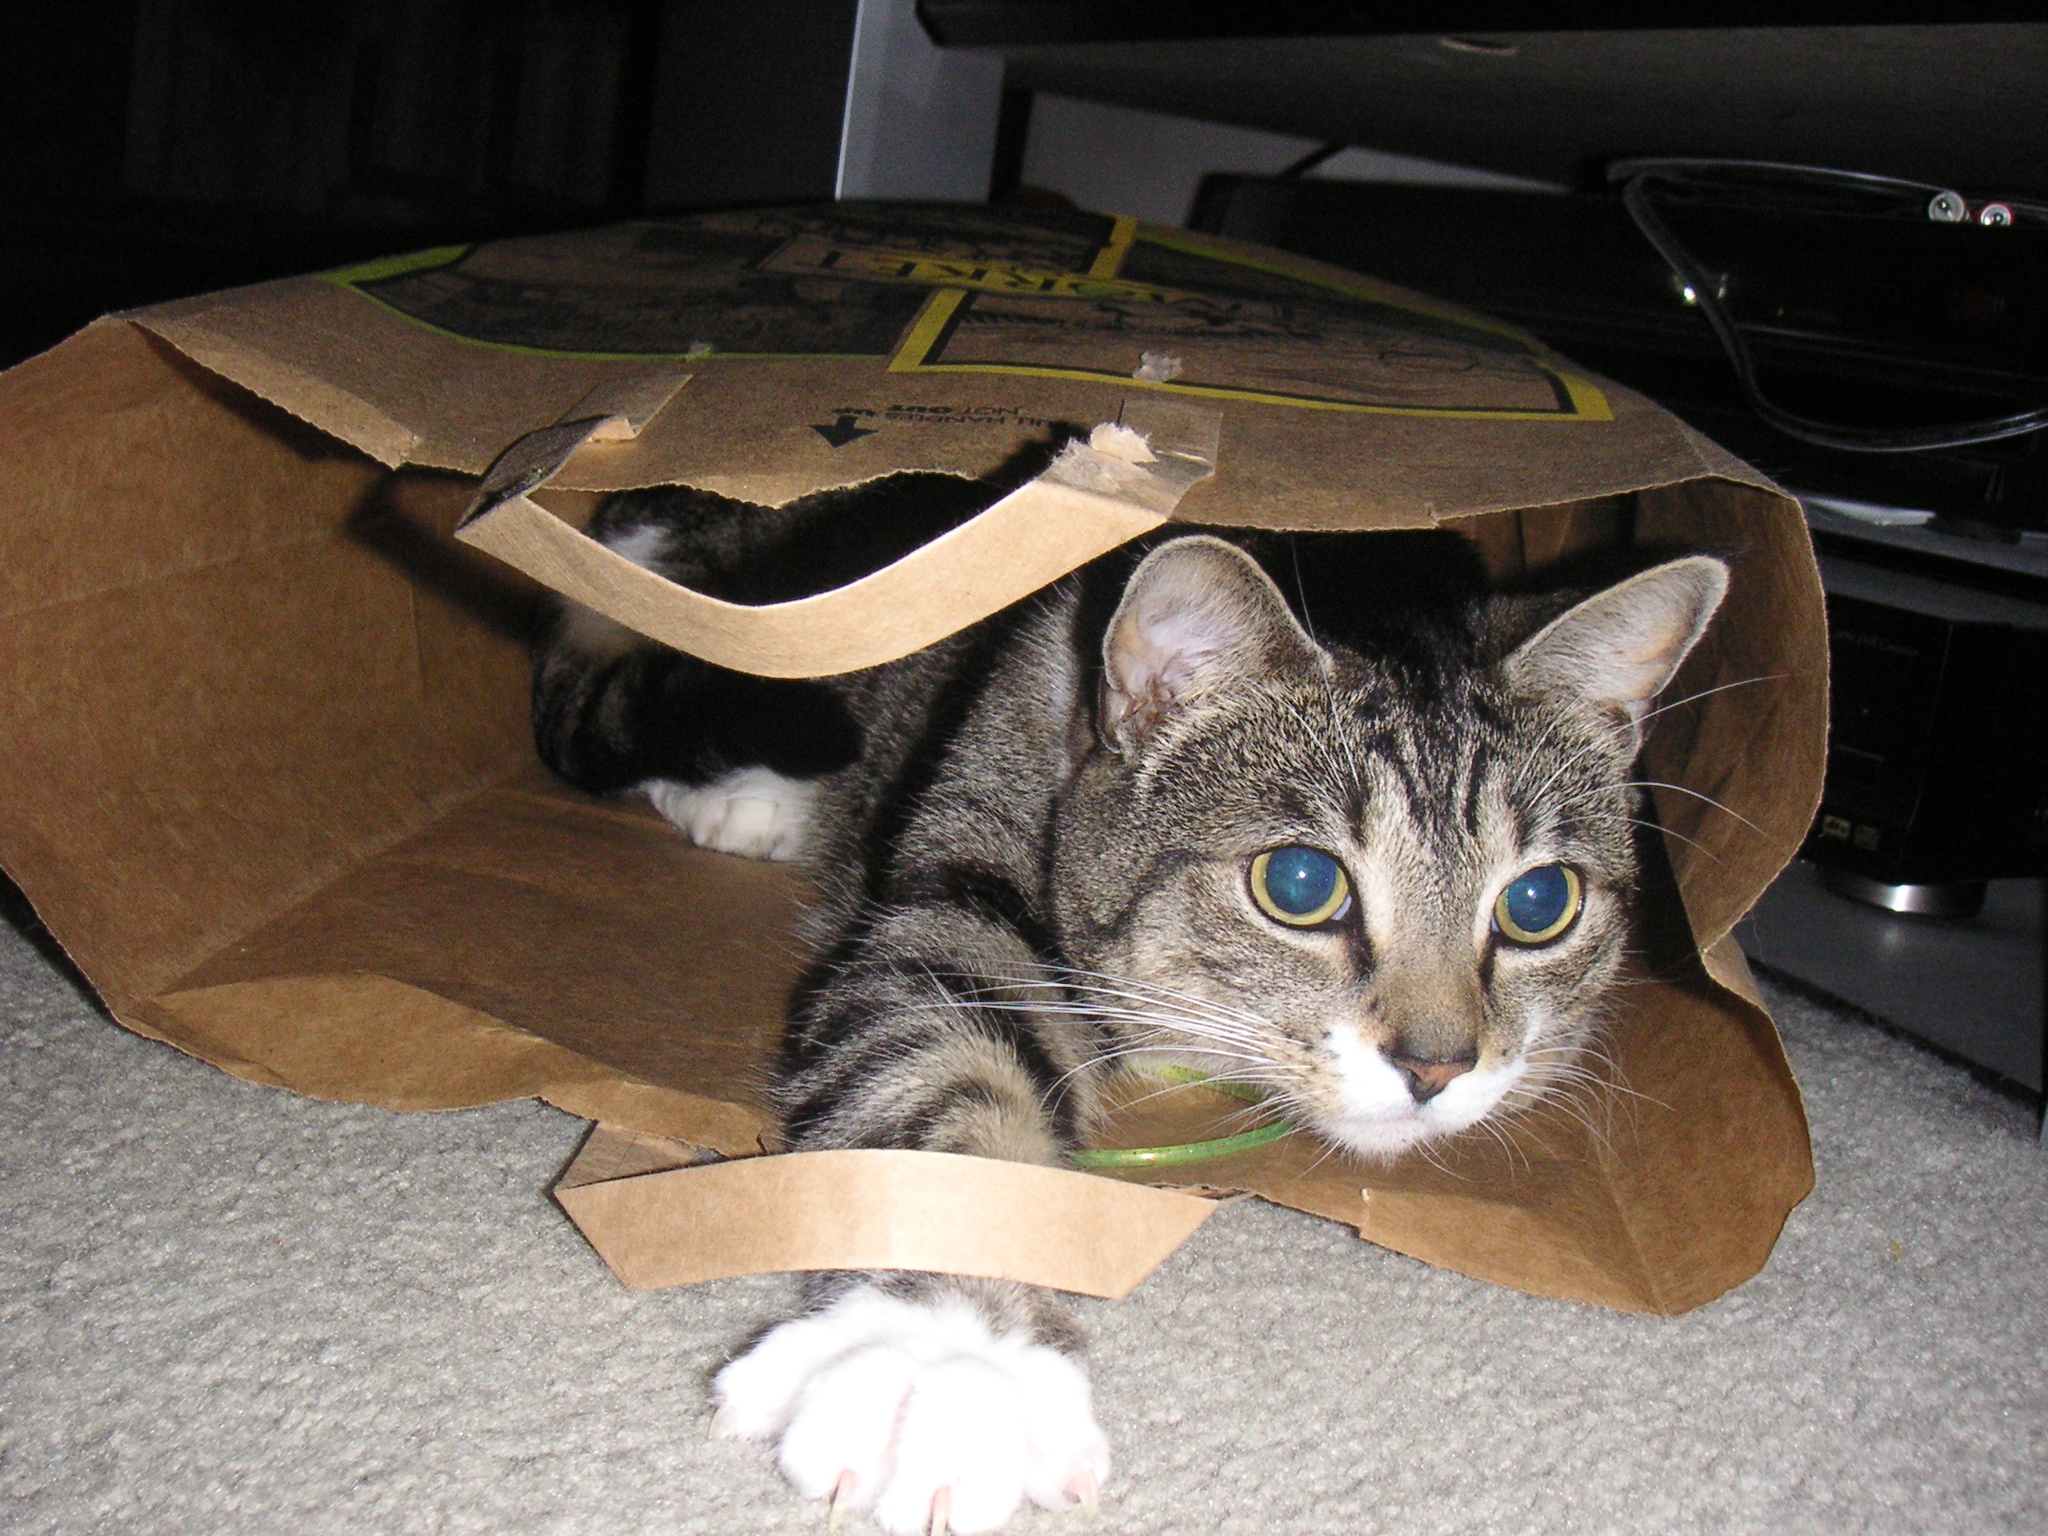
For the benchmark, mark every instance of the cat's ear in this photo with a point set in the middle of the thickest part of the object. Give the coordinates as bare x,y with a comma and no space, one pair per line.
1197,616
1620,647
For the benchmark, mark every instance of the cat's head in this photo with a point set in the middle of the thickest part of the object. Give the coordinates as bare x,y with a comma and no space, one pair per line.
1391,890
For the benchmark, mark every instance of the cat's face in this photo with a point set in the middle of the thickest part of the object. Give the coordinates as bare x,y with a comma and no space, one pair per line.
1392,894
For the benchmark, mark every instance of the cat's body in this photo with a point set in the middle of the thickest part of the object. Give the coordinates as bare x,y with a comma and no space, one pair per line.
1144,818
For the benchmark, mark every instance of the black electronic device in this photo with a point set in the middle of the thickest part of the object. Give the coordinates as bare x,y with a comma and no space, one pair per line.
1879,315
1938,744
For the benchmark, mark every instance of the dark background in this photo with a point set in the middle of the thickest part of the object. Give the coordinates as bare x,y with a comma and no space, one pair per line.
163,147
166,147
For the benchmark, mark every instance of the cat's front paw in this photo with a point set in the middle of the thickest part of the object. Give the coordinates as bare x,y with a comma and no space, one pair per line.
753,812
893,1406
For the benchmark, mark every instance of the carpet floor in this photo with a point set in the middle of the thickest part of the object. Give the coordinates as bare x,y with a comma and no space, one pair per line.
224,1308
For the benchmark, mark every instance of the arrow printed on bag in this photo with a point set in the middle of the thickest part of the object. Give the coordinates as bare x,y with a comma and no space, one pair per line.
843,431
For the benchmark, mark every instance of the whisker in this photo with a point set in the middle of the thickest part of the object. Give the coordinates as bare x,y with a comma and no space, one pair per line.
1693,698
1327,1151
1128,990
1683,790
1562,768
1638,821
1535,753
1427,1150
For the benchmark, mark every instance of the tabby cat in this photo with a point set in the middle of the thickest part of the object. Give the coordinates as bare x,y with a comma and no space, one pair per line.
1377,870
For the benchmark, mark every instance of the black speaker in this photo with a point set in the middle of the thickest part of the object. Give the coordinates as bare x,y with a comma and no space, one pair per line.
1938,743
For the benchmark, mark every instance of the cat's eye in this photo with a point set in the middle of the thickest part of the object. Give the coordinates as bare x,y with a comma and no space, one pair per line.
1539,904
1301,887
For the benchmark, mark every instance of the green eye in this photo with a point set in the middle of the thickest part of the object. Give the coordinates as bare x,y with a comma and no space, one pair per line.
1539,904
1300,887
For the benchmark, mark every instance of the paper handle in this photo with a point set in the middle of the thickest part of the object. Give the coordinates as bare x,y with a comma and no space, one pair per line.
1085,505
929,1211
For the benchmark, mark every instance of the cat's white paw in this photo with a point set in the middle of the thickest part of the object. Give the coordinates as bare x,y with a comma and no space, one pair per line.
911,1398
754,812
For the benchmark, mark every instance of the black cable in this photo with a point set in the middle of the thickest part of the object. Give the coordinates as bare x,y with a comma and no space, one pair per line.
1311,160
1821,434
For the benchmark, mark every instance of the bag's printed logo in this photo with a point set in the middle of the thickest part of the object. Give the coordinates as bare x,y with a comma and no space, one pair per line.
1270,337
811,253
926,290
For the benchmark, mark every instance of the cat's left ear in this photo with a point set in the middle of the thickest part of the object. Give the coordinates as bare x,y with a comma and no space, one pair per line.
1620,647
1197,618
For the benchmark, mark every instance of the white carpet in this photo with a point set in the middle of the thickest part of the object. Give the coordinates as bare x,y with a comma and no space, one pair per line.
226,1309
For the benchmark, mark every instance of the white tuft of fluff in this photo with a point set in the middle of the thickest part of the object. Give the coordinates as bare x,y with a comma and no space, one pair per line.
1156,368
642,545
1122,442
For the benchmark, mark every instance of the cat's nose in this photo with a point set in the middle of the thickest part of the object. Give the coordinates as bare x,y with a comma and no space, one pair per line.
1427,1077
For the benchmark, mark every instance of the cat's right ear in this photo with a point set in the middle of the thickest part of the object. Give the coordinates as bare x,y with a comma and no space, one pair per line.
1198,616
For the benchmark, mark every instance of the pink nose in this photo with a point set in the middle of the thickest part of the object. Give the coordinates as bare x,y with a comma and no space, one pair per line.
1426,1078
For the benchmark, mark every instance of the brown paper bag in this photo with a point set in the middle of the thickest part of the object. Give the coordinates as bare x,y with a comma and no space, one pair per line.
266,766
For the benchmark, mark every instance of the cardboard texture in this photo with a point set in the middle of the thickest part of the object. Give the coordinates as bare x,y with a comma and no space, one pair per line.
268,778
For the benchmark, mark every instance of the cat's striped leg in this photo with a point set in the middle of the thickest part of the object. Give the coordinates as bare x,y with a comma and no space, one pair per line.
731,760
899,1393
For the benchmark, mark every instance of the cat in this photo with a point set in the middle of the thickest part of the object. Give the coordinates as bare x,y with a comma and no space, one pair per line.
1152,815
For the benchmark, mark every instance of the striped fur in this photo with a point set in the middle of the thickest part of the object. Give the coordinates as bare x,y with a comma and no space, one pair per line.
1033,839
1016,902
